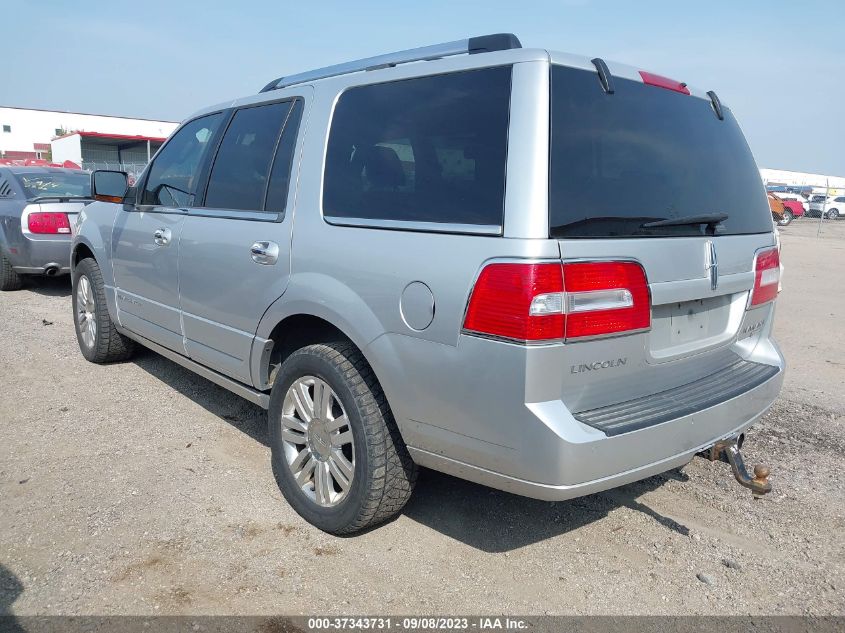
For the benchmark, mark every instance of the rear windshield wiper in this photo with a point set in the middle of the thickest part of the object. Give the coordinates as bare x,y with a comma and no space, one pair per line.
604,226
710,219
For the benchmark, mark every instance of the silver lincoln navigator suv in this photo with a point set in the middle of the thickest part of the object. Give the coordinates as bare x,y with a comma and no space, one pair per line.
546,274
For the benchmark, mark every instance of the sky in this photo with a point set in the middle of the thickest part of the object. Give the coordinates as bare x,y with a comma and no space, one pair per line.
779,65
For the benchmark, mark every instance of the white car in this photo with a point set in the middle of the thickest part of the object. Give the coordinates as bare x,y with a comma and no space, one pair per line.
832,209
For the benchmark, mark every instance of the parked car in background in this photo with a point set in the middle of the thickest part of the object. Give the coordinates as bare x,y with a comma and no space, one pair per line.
776,207
791,209
491,262
833,207
797,197
38,206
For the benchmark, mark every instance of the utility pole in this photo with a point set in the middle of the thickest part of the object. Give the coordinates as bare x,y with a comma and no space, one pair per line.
824,205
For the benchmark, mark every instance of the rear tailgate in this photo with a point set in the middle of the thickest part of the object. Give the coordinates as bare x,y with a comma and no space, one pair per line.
696,330
644,154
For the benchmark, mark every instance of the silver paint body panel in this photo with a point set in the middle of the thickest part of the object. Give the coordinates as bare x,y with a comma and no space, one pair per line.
490,411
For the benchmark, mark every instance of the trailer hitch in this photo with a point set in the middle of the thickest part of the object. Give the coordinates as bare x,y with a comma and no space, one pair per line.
728,451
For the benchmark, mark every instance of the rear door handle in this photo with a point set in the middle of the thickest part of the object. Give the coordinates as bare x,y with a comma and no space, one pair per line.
266,253
161,236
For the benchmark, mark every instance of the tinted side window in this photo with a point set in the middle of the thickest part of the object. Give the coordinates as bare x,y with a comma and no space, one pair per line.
277,191
175,173
430,149
239,176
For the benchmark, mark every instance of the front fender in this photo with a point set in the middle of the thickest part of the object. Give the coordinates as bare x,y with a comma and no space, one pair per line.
94,230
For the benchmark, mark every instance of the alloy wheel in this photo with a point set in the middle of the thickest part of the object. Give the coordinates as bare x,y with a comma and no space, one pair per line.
317,441
86,312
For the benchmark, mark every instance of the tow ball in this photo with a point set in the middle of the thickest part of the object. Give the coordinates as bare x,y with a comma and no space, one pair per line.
728,451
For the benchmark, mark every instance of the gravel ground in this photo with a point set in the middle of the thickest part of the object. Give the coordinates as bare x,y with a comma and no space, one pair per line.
142,489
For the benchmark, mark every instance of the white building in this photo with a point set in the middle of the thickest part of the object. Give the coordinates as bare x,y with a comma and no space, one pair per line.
101,150
27,133
776,177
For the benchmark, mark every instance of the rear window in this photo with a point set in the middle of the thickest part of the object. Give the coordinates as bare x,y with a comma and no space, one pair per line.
644,154
55,184
429,149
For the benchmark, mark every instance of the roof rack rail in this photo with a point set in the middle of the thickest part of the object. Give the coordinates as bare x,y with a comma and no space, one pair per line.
471,46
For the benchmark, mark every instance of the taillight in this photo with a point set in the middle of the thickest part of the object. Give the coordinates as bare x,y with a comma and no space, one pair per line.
605,298
664,82
766,277
546,302
49,223
503,302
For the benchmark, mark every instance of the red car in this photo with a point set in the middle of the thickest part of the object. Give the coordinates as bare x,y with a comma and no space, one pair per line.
792,209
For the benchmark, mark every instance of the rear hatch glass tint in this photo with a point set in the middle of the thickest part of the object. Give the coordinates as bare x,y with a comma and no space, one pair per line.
55,184
645,154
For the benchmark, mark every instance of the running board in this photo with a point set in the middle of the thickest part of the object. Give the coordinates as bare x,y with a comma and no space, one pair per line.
248,393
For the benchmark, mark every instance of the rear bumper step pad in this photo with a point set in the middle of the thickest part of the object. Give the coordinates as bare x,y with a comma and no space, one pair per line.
639,413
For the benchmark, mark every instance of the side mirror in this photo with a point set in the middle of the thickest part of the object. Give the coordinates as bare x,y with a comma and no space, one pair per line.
109,186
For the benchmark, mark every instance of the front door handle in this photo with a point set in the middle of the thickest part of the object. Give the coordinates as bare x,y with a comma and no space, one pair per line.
266,253
162,237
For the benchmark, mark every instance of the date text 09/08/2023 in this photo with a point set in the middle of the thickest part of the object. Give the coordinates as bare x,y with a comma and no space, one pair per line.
417,623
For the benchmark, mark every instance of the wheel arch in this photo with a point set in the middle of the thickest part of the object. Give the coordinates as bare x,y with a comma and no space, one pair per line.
305,315
297,331
81,251
326,298
84,247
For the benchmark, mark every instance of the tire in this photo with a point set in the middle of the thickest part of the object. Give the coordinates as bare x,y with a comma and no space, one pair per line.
9,279
102,343
787,218
383,473
832,214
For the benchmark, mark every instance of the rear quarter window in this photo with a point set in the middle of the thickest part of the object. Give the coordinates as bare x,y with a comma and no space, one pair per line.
423,150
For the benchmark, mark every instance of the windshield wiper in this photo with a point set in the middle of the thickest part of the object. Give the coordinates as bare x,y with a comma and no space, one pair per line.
710,219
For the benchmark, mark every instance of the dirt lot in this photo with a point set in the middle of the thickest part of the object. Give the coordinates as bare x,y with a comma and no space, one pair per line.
140,488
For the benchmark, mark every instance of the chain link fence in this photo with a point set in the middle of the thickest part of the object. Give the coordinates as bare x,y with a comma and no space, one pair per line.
817,210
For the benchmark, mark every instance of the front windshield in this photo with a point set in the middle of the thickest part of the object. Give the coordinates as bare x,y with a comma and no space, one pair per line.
55,184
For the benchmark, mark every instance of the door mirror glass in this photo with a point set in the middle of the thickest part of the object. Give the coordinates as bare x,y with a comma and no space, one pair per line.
109,186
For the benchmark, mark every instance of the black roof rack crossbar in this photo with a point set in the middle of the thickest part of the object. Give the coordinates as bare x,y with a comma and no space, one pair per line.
470,46
605,77
717,105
